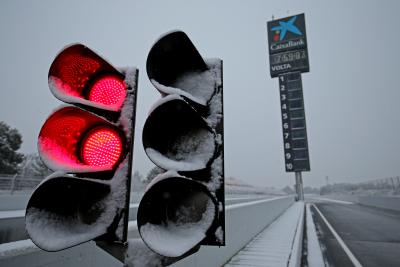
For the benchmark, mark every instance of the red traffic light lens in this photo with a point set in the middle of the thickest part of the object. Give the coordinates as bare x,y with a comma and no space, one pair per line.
80,76
76,141
108,90
102,147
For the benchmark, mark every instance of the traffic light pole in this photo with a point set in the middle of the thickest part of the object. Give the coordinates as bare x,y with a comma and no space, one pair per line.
299,186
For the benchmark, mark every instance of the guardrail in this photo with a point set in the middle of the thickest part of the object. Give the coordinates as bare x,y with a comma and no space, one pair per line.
254,215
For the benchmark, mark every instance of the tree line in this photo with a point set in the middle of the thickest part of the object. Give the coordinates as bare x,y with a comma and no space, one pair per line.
13,162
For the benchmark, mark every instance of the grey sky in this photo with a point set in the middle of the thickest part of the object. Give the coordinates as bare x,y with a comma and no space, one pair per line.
351,93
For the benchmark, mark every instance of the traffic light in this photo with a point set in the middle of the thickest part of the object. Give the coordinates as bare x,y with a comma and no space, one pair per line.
184,207
89,144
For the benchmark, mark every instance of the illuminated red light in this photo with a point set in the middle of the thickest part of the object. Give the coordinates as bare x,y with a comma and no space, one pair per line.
109,90
102,147
80,76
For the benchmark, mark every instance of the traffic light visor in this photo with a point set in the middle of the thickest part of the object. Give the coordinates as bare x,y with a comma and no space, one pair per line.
76,141
65,211
175,214
176,137
79,76
174,66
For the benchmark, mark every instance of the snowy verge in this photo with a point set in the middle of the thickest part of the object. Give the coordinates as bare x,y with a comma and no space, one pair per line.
14,249
314,253
262,213
279,244
295,256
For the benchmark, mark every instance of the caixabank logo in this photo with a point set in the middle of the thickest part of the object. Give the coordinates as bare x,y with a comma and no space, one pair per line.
287,34
285,27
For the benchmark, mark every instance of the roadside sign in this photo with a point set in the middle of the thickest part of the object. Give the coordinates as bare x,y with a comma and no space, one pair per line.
287,45
293,123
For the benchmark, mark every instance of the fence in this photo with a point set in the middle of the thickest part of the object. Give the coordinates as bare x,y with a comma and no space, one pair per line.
383,183
13,183
381,186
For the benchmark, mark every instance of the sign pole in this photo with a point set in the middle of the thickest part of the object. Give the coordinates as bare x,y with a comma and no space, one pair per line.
288,56
299,186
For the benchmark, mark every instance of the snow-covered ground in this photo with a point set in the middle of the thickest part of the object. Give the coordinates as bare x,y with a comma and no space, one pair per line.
314,253
276,245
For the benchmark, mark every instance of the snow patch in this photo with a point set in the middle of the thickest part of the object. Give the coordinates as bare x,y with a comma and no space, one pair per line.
130,76
54,232
190,151
127,110
17,248
162,176
214,119
164,100
117,198
198,86
139,255
216,175
219,234
65,93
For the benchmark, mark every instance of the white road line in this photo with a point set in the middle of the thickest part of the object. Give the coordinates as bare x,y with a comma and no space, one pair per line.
243,204
351,256
331,200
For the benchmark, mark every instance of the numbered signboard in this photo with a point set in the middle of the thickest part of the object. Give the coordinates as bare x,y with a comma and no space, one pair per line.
293,123
287,45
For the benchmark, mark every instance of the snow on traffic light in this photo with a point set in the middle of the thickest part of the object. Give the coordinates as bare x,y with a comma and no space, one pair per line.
183,135
89,145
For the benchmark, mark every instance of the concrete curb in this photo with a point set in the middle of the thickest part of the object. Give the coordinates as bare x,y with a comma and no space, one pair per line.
243,222
297,248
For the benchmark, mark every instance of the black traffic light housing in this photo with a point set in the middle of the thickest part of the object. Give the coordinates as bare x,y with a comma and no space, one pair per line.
183,135
90,146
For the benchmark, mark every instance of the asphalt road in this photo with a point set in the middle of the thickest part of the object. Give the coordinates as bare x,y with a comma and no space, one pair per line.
371,234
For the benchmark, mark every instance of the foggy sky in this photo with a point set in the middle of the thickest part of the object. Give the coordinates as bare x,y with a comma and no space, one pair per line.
351,93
